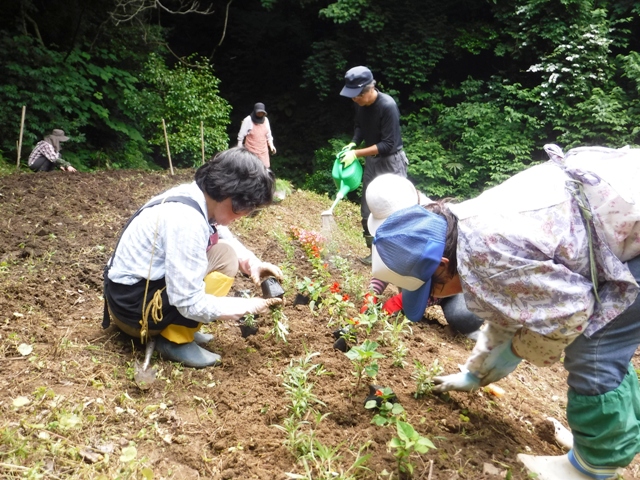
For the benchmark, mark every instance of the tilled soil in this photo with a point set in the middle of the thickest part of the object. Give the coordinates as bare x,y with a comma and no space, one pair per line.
218,423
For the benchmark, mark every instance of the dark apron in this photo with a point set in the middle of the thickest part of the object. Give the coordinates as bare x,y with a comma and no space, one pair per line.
125,302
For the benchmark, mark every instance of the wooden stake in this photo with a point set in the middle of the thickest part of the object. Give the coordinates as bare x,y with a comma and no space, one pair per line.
202,140
24,110
166,141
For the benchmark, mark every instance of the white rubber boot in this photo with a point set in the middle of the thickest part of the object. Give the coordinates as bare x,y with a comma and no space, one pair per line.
562,434
551,467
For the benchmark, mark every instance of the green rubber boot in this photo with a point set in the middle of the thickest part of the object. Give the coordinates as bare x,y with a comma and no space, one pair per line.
367,260
189,354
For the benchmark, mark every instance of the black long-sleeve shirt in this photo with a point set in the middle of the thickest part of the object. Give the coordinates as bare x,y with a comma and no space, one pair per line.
379,124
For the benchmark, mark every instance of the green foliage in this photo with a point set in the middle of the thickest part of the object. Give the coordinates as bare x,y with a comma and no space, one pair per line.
423,376
73,90
364,359
406,443
183,96
479,141
320,181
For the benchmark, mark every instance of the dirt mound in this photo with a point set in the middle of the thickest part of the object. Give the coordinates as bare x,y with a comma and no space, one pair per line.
71,410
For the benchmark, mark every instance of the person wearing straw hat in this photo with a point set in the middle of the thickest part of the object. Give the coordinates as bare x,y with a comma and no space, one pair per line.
387,194
550,259
175,261
377,124
255,134
46,154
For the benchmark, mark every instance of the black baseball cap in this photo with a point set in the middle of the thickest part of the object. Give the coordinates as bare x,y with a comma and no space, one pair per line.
355,80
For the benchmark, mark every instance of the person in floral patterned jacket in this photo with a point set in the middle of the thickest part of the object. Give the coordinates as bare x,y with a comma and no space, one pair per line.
550,260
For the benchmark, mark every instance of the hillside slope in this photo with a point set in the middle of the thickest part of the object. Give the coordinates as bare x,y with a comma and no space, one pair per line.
71,410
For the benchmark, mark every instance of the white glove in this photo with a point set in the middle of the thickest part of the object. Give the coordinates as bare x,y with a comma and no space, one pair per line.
234,308
259,270
462,382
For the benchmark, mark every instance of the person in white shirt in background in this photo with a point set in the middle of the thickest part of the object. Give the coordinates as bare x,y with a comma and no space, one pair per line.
255,134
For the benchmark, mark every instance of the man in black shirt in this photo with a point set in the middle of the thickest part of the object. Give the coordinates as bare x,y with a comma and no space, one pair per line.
377,123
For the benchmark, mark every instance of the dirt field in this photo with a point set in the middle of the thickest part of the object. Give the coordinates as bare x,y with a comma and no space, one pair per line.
70,408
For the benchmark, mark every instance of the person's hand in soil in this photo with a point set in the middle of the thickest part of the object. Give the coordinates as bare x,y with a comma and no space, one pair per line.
234,308
259,270
461,382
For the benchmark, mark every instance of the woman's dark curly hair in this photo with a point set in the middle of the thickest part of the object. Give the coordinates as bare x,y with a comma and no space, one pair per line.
240,175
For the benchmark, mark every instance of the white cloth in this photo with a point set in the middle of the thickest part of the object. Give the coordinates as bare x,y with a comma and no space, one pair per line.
523,253
179,252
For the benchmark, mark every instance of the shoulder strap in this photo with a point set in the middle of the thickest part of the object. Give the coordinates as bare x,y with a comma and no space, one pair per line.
178,198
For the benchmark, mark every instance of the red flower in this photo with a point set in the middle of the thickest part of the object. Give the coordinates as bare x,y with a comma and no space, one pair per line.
379,393
335,288
345,298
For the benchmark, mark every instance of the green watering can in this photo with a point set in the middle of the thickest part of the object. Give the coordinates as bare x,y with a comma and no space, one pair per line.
347,180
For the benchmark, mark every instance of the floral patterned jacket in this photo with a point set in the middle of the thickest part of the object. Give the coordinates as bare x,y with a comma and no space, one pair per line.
524,252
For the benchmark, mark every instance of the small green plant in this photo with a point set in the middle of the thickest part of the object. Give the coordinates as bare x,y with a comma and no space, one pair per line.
314,289
364,359
389,411
285,244
391,335
323,463
298,387
352,283
295,439
406,443
369,319
280,328
423,376
249,320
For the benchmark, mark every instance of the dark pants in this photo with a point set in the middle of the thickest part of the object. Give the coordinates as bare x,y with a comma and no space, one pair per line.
125,303
42,164
458,315
379,165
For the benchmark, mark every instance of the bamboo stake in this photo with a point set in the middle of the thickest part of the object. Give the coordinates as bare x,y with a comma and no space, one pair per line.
202,140
166,141
24,110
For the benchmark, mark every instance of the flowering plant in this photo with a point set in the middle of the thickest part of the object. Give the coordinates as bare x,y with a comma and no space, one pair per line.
337,303
313,245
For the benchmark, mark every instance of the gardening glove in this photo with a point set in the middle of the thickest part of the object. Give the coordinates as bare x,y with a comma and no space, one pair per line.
258,270
347,158
393,305
346,148
369,300
462,382
234,308
499,363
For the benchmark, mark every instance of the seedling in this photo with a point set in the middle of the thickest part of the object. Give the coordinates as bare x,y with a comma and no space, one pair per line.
423,376
389,410
351,281
364,359
298,387
280,329
314,289
406,443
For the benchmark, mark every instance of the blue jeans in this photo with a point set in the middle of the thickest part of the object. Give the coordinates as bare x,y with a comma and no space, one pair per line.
598,364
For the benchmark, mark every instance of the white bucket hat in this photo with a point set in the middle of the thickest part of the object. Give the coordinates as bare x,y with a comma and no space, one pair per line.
387,194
